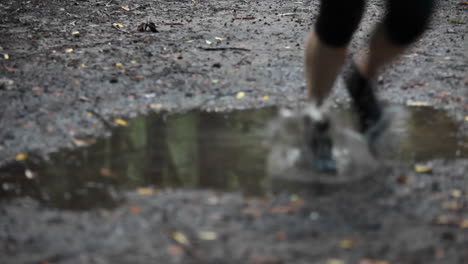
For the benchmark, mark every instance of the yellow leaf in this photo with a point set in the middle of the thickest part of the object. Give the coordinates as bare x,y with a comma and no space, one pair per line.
347,243
118,64
466,118
208,235
419,168
21,156
156,106
69,50
464,223
240,95
6,56
120,122
89,114
180,238
133,62
220,38
84,65
452,205
266,97
335,261
75,32
145,191
456,193
118,25
417,103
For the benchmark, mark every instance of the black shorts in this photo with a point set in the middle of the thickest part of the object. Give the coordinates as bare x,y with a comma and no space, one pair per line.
404,22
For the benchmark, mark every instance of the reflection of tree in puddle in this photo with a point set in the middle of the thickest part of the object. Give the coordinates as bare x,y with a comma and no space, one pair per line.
196,150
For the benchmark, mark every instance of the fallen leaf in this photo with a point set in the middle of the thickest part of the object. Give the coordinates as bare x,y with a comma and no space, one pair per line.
125,7
21,156
118,25
220,38
464,223
156,106
419,168
84,65
135,209
373,261
81,142
466,118
417,103
133,62
180,238
283,209
446,220
456,193
347,243
6,56
452,205
139,76
118,64
69,50
265,97
208,42
145,191
175,250
410,55
208,235
252,211
281,236
335,261
240,95
402,179
29,174
106,172
120,122
76,32
215,81
266,260
463,3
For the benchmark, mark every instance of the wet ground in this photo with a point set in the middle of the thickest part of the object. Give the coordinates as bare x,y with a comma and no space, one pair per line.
183,185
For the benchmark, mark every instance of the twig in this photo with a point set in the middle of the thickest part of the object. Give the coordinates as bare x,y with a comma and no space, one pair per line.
223,48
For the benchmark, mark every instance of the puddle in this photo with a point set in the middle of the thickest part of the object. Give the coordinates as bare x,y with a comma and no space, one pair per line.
221,151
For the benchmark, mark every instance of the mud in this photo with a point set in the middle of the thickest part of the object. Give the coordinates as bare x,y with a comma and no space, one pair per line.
69,68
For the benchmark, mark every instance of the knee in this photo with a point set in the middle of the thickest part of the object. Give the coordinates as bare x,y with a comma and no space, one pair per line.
338,20
407,20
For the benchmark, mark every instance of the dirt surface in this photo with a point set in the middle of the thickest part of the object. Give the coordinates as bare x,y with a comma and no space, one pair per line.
67,68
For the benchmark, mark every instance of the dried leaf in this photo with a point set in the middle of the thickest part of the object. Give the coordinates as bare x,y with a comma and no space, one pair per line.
180,238
84,65
240,95
466,118
335,261
125,7
21,156
252,211
208,235
419,168
347,243
118,25
463,3
156,106
118,64
220,38
410,55
281,236
417,103
145,191
135,209
452,205
464,223
76,32
6,56
81,142
69,50
265,97
175,250
106,172
29,174
456,193
120,122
